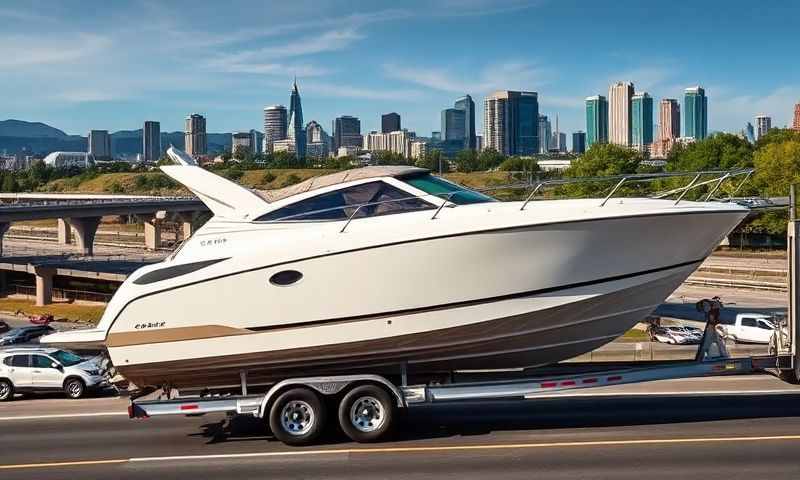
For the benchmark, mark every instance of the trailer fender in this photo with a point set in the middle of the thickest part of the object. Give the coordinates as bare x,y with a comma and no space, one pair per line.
327,386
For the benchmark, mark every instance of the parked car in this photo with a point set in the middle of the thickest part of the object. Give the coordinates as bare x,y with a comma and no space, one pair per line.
33,370
4,327
676,335
24,334
748,328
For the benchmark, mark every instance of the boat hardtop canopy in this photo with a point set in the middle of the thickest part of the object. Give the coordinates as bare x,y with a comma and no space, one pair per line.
315,183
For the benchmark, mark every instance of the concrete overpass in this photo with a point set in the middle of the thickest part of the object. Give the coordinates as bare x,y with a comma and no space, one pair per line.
82,214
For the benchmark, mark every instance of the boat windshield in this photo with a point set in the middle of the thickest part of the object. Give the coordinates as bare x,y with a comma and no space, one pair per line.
442,188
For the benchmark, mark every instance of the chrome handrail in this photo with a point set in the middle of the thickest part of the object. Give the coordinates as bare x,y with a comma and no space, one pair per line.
445,202
350,218
613,191
721,176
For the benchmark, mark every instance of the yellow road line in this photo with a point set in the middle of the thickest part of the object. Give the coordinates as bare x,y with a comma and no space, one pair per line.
421,449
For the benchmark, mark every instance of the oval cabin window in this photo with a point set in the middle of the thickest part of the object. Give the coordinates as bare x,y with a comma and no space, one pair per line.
286,277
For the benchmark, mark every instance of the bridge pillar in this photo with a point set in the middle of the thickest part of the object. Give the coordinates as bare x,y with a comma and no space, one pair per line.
152,233
44,285
187,220
85,230
64,232
4,226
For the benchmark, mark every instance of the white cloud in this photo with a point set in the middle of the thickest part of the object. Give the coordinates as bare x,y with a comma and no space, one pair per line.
502,76
329,41
328,89
645,79
729,111
86,95
45,50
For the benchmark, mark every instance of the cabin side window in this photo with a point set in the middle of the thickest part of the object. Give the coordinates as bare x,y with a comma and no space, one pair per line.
379,198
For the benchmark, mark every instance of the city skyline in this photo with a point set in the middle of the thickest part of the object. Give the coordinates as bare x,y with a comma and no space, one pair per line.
103,82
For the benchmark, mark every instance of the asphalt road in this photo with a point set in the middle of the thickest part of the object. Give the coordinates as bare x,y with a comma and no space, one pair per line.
726,428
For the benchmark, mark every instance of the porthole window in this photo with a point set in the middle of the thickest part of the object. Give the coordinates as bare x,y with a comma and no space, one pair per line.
286,278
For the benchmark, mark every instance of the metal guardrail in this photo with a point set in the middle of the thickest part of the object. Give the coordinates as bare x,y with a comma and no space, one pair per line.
29,292
719,177
99,202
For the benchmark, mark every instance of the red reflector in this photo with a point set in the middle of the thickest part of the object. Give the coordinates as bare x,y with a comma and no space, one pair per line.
615,378
568,383
130,411
190,407
549,384
589,380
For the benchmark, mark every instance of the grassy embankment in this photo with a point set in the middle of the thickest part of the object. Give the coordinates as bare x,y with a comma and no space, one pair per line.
81,313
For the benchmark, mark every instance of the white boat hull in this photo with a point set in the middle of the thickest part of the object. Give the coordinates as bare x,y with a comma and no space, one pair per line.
498,298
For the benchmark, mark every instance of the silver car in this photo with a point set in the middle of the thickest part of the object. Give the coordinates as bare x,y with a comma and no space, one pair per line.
31,370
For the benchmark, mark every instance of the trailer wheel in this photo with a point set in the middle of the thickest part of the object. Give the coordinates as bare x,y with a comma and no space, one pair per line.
366,413
297,417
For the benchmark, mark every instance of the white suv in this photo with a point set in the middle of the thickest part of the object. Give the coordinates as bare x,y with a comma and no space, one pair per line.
26,370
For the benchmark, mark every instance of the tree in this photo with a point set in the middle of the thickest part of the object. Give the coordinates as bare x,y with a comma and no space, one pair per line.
777,166
467,161
340,163
719,151
242,154
490,159
519,164
605,159
602,160
777,135
386,157
434,161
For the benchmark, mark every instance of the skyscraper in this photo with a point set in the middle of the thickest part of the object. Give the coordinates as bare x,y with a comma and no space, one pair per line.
641,121
545,134
195,138
511,122
669,119
275,126
453,124
296,127
256,139
347,132
558,143
619,113
695,111
100,144
596,120
579,142
763,124
466,104
151,141
242,141
749,133
319,143
390,122
796,123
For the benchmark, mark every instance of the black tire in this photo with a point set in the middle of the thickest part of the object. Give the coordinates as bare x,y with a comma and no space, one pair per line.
375,418
6,390
297,417
74,388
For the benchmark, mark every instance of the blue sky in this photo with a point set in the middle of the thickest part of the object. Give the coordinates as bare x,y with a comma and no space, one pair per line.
84,64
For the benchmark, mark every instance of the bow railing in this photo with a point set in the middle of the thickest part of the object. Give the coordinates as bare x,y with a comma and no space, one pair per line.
718,179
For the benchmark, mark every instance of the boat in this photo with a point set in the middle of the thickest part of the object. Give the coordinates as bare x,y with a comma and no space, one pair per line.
390,268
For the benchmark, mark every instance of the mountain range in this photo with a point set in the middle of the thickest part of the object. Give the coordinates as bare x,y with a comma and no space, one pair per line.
40,139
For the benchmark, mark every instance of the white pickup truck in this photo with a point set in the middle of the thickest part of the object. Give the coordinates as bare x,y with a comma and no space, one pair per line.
748,328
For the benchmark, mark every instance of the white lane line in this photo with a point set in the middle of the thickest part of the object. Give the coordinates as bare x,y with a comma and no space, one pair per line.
64,415
683,393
